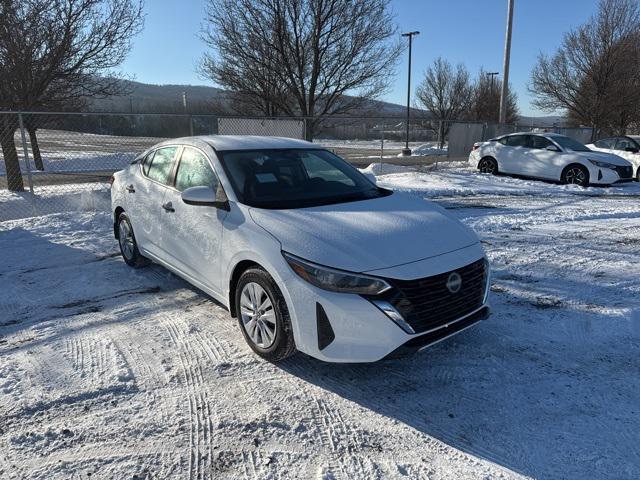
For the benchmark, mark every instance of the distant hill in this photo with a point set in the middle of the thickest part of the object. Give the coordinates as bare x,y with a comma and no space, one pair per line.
150,98
548,121
201,99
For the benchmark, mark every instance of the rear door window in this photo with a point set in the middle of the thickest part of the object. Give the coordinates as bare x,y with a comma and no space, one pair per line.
146,163
162,164
517,141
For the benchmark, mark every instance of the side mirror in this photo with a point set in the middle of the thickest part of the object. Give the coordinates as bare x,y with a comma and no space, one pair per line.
631,149
203,197
552,148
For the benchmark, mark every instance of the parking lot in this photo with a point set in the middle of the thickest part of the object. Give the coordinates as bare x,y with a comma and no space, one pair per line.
110,372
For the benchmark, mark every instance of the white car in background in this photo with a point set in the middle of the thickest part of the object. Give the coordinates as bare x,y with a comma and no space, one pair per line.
549,156
305,250
626,146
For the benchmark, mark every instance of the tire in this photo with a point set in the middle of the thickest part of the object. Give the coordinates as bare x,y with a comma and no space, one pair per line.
128,245
638,175
575,174
272,340
488,165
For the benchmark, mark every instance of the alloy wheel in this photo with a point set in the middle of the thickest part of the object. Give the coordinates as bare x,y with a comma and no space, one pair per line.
258,315
125,237
487,166
576,176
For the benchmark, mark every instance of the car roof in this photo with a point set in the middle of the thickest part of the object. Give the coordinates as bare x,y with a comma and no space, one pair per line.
632,137
223,143
539,134
547,134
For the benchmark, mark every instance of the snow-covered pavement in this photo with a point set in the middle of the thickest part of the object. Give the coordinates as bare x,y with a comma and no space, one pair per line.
107,372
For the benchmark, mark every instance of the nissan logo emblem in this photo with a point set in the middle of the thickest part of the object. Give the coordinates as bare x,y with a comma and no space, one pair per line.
454,282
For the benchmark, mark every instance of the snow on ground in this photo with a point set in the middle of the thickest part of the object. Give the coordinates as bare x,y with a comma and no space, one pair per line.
79,161
458,179
427,149
54,198
67,151
119,373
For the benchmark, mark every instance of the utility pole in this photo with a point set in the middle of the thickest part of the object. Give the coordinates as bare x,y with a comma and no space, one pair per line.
406,151
505,69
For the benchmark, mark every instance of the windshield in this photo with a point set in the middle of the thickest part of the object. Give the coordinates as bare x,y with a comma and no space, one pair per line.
570,144
295,178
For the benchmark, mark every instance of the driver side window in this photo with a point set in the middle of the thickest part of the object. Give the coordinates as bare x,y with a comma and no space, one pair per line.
539,142
194,170
624,143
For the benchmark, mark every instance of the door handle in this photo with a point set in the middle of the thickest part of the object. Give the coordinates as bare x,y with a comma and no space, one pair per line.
168,207
130,189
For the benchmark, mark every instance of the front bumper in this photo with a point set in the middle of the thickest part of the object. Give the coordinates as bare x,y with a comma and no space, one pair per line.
431,338
607,176
358,331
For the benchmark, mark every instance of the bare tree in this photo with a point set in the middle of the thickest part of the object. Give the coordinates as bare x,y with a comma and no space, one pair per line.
446,93
485,104
301,57
54,54
594,72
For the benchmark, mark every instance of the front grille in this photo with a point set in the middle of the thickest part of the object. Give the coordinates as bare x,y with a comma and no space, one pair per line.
624,172
428,303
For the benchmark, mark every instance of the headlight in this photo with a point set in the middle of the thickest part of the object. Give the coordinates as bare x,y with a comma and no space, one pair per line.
603,164
335,280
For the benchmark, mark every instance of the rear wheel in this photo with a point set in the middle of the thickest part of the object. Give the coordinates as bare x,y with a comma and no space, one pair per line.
488,165
575,175
263,316
128,245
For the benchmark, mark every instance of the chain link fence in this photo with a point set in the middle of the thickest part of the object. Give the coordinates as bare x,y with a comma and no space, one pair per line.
58,162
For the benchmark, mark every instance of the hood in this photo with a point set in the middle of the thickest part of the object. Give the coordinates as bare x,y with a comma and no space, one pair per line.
605,157
367,235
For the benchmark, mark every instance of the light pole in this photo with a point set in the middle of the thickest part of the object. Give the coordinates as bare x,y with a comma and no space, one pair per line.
406,151
492,75
505,69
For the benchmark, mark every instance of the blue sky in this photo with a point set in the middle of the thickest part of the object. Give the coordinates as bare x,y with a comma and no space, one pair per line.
467,31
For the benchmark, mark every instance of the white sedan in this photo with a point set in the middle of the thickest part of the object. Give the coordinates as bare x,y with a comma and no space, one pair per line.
626,146
549,156
301,247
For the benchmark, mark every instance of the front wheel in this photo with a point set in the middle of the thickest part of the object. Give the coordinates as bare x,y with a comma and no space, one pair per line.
263,316
638,175
488,165
575,175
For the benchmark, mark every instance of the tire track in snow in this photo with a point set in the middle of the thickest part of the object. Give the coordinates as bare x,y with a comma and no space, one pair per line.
338,438
249,465
200,412
333,434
